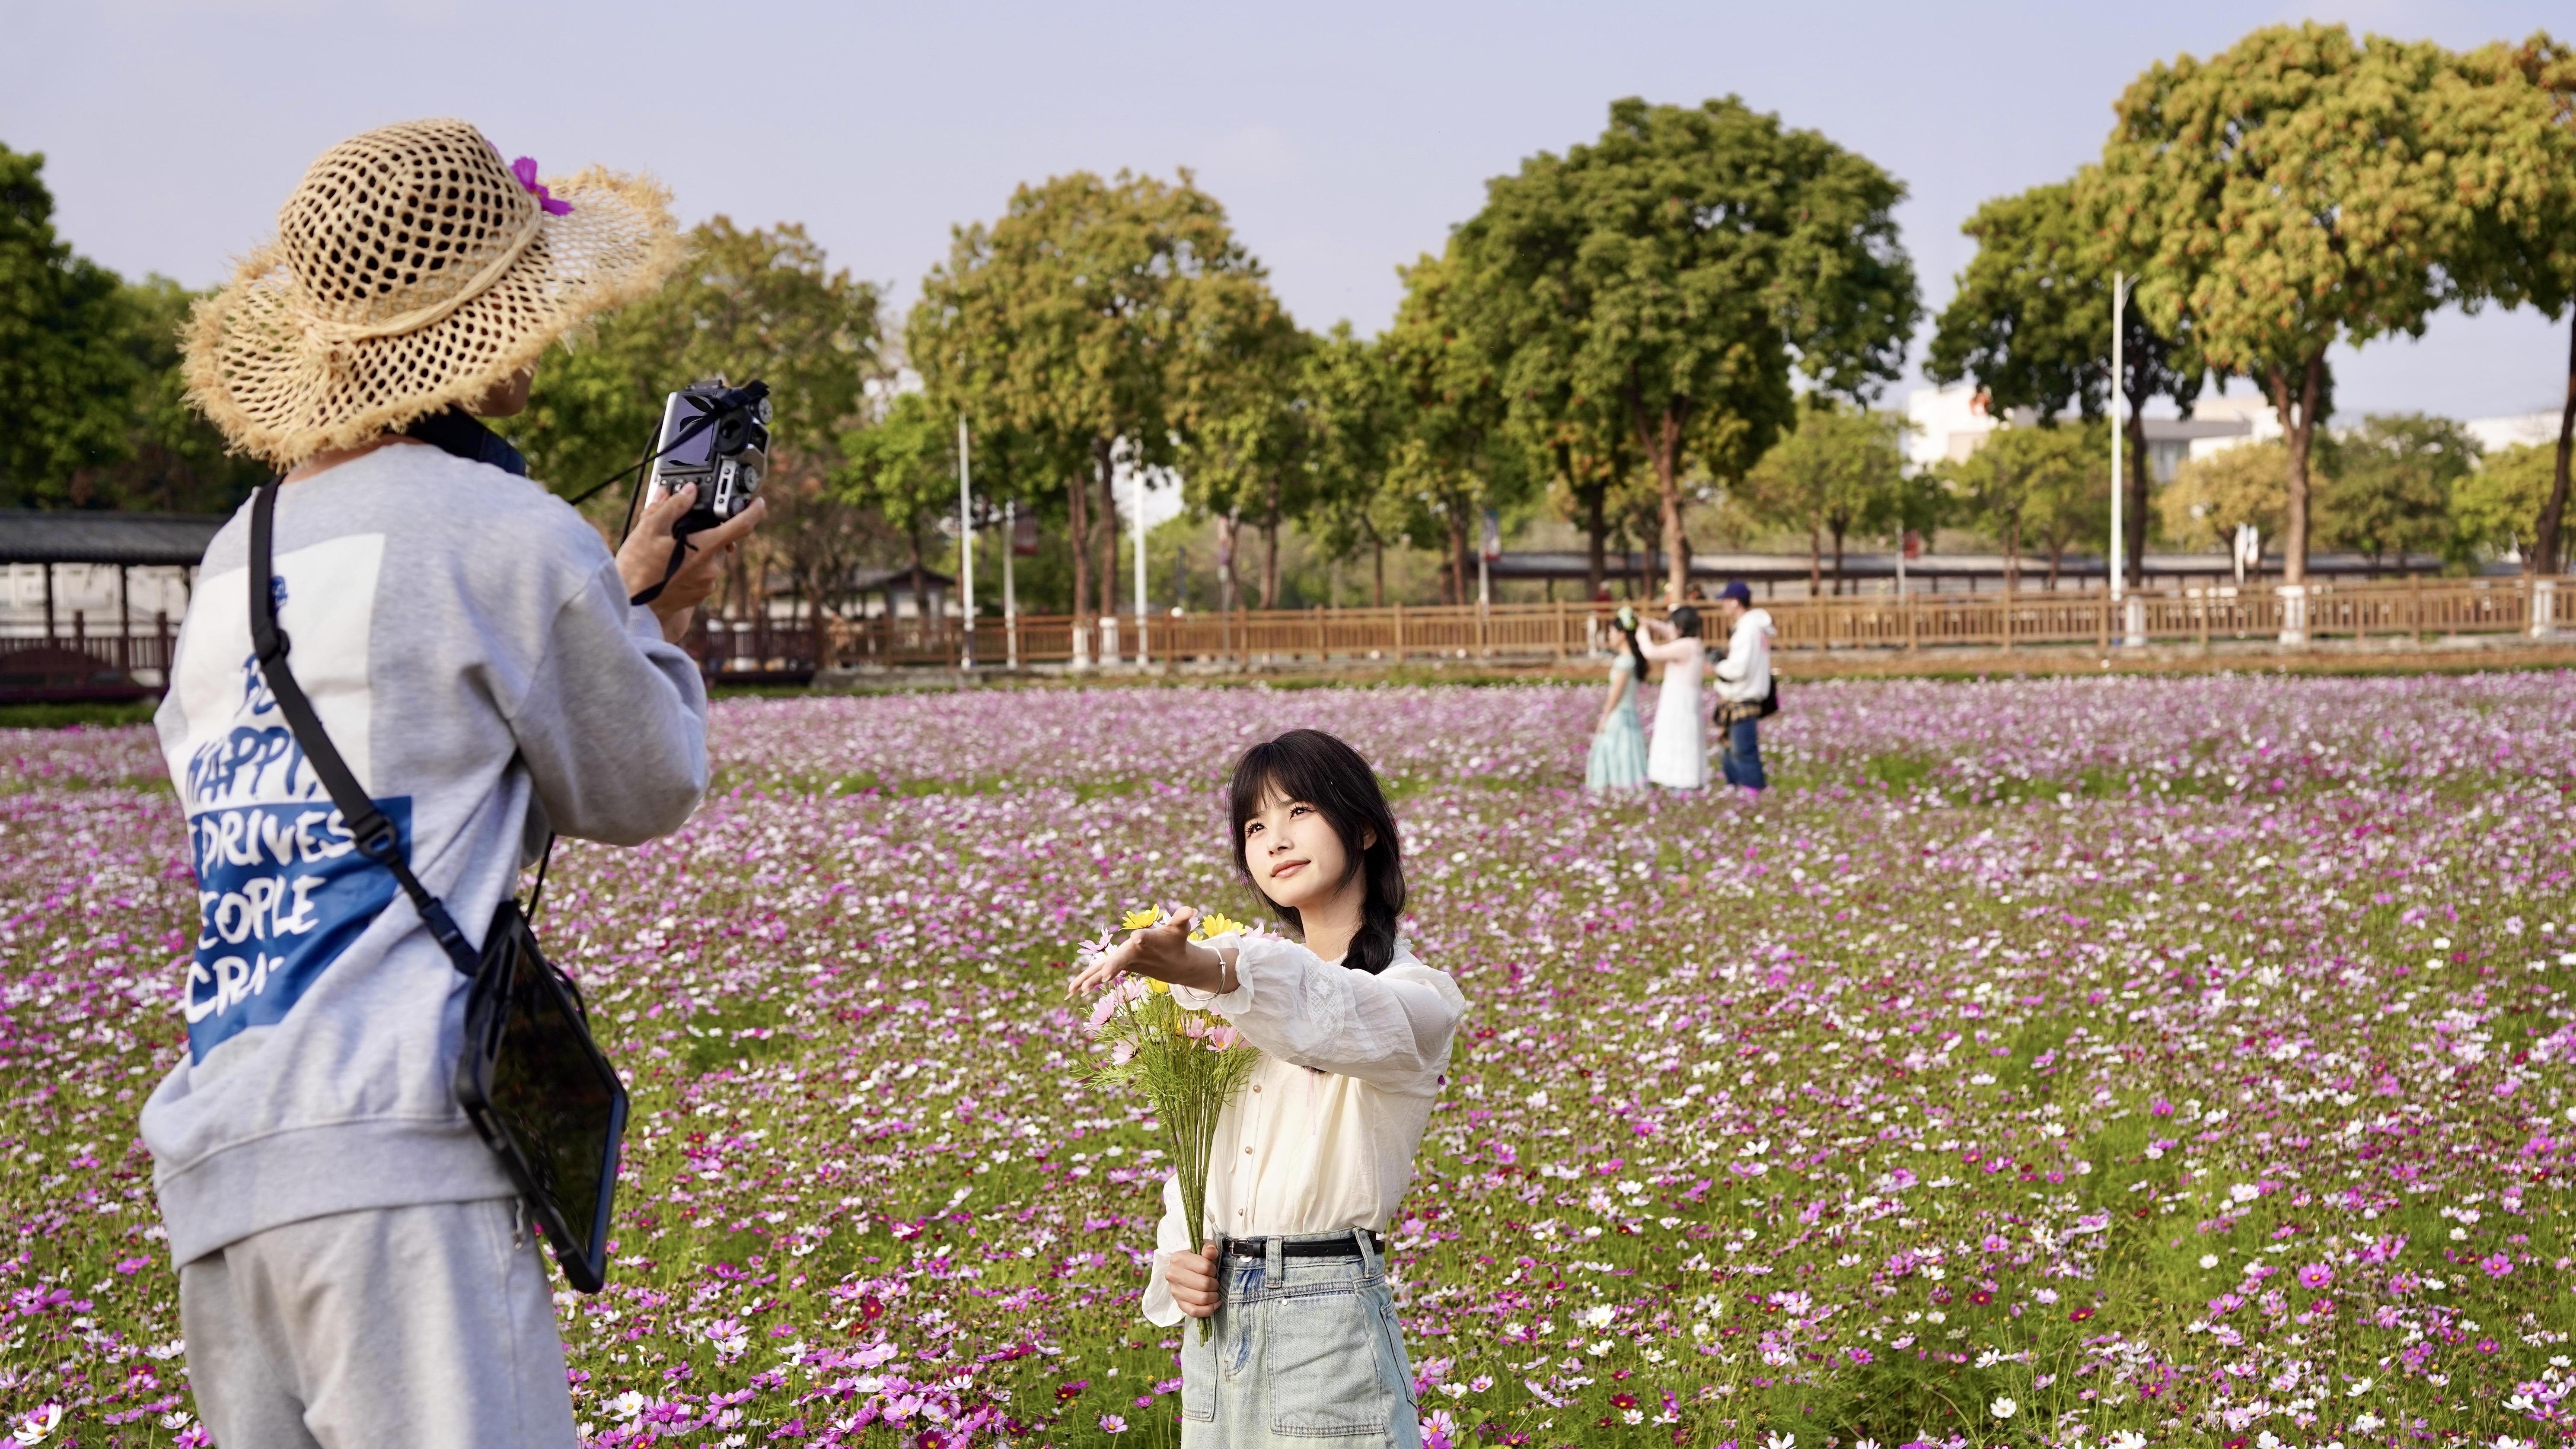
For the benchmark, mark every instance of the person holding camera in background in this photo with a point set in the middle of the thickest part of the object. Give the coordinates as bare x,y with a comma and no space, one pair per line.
356,1268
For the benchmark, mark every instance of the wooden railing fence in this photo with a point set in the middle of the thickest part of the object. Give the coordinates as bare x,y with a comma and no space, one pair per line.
1538,632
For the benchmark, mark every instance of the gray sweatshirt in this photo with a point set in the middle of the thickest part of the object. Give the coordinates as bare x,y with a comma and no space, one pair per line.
466,640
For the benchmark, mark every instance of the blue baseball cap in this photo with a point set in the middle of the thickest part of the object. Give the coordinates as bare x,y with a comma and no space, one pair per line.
1737,591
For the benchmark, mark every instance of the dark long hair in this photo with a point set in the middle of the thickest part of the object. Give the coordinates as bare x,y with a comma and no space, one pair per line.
1636,652
1319,770
1686,622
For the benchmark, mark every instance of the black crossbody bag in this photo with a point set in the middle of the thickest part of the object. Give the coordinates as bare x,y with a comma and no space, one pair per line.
532,1081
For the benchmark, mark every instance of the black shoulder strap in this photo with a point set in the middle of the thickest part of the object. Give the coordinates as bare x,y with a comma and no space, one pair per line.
375,835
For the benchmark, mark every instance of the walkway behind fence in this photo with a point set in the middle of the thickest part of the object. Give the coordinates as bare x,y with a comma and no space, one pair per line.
1528,633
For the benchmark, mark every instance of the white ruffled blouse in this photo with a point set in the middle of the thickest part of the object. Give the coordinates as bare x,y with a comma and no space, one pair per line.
1322,1138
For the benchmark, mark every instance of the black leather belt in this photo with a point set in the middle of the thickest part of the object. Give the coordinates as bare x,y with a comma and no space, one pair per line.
1334,1247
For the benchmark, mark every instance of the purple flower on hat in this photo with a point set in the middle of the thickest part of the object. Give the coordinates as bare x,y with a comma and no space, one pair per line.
525,168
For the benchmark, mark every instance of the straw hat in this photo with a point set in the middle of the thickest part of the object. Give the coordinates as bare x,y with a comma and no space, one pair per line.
413,268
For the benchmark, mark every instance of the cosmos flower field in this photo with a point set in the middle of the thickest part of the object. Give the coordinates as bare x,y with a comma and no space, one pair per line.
2099,1062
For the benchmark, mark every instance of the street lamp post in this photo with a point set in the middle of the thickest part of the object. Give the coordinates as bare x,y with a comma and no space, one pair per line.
965,553
2133,613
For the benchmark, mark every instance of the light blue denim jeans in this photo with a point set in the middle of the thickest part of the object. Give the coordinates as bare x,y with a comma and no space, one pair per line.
1300,1350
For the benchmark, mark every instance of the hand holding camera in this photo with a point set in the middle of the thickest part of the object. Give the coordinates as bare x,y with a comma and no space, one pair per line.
702,497
645,558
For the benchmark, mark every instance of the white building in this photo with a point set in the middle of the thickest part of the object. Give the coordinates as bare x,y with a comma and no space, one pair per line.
1952,422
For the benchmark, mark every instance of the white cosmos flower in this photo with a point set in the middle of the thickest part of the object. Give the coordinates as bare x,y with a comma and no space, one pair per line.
2004,1408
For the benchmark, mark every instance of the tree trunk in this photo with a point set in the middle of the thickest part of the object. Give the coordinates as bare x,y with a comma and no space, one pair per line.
2134,536
1597,536
1077,496
1662,440
2298,431
1228,536
1105,528
1457,556
1815,561
1270,545
2056,553
2012,554
2545,552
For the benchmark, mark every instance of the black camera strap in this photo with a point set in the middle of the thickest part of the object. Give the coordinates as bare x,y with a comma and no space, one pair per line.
368,826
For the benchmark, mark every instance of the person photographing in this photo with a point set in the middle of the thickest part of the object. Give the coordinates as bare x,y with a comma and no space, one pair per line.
1744,688
355,1266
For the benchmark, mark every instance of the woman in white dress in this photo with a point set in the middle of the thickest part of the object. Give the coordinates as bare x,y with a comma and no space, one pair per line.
1677,755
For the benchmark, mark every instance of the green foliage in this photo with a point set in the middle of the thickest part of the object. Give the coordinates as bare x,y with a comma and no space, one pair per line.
1458,458
1843,469
903,469
1359,421
1093,316
2390,483
1668,275
2518,151
2496,509
761,303
2046,483
2208,497
65,374
2292,192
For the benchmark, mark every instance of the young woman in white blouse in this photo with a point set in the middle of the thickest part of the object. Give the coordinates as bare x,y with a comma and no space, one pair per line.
1313,1157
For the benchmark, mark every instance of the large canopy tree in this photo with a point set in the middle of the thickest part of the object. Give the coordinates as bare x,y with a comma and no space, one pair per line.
2518,144
1458,457
1249,453
1672,273
64,376
1359,419
1093,323
2286,195
2031,322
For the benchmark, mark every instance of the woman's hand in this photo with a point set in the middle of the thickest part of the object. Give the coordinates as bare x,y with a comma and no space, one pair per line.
1192,1278
1163,951
646,556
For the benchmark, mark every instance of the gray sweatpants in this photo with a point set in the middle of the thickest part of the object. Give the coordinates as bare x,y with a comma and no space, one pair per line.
425,1326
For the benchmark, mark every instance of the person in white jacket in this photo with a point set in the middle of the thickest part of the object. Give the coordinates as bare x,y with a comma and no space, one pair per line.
1312,1158
1743,682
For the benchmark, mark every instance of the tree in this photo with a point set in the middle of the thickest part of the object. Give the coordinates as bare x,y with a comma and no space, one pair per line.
1457,459
746,304
1670,273
1358,420
2281,197
172,460
903,468
2519,138
2031,322
2020,480
1841,469
2209,498
2070,491
66,376
2497,509
1091,323
1254,435
2390,483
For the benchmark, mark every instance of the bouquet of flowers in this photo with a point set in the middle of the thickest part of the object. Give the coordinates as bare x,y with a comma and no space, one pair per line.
1186,1064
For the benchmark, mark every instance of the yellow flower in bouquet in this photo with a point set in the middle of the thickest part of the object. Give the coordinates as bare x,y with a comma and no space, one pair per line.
1187,1065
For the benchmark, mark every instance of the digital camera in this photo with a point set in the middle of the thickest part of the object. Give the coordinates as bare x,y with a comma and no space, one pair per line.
716,437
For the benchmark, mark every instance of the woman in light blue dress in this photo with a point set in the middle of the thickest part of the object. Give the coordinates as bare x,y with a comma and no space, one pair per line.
1618,760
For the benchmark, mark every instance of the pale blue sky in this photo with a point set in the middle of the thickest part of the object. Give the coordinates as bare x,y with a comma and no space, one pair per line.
1342,138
